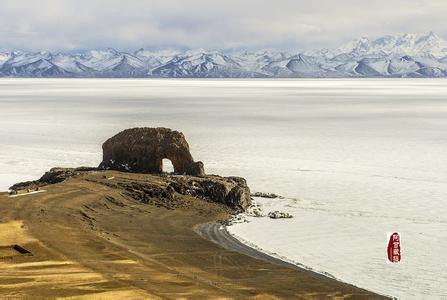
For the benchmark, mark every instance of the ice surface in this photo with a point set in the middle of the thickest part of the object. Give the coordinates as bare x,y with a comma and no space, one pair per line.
355,159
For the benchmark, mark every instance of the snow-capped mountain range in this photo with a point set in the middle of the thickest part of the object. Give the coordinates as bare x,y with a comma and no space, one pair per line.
408,55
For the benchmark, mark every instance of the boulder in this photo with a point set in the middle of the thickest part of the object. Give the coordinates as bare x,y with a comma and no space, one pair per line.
279,215
142,150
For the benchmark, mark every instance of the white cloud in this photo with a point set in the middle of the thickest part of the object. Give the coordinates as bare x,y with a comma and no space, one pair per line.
82,24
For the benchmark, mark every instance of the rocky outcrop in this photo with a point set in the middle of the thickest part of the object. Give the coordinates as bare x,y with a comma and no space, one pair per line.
159,190
142,150
164,191
53,176
231,191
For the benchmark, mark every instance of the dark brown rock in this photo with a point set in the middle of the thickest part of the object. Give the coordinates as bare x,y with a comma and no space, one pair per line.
53,176
231,191
142,150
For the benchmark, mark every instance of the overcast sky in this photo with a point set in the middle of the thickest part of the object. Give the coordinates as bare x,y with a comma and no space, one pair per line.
212,24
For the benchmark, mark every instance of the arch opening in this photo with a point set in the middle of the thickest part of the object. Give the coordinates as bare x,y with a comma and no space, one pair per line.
167,166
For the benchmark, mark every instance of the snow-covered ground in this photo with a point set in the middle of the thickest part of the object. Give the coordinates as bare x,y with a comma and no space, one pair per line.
355,159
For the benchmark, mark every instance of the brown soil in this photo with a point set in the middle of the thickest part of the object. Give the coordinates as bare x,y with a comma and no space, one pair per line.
90,239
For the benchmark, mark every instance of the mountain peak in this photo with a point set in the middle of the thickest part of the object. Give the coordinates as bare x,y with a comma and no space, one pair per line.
402,55
403,44
111,50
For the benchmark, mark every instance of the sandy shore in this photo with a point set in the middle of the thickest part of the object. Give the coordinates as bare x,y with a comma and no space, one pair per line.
88,241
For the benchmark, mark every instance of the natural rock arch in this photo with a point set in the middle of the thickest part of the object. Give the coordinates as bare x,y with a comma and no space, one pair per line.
143,150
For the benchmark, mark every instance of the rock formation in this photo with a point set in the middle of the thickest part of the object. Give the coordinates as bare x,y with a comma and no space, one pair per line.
142,150
53,176
232,192
279,215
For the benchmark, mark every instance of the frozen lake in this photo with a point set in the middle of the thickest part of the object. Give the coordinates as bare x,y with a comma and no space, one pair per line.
355,158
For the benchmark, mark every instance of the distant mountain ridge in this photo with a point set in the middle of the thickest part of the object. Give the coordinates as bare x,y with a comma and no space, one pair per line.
407,55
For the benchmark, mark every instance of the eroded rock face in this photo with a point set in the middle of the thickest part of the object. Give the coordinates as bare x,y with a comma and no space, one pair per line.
160,190
231,191
53,176
142,150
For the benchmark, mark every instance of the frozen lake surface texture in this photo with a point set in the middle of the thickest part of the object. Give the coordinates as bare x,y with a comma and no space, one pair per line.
355,159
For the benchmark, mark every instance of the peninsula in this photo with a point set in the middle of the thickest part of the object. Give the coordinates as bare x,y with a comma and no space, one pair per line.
127,229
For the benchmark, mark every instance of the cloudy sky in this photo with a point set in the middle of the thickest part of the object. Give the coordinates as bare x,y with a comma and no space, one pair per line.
212,24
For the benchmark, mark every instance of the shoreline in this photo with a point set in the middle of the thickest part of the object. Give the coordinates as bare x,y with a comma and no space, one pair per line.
218,233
